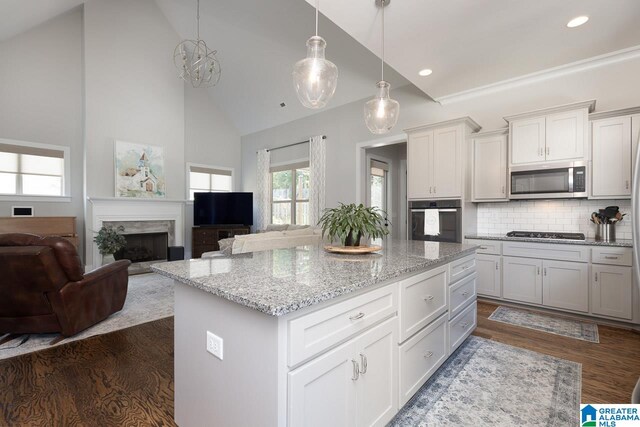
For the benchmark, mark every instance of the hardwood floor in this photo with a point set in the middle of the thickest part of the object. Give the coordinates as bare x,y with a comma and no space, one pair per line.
610,369
117,379
126,377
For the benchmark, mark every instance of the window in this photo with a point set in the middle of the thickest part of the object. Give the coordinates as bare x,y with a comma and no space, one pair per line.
30,169
378,185
209,179
290,194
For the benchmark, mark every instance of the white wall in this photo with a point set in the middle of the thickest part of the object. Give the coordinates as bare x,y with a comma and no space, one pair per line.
210,139
614,86
41,79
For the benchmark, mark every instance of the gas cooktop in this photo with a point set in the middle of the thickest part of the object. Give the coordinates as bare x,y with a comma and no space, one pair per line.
546,235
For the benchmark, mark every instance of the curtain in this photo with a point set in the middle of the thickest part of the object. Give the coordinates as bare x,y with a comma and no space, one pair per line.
317,168
263,188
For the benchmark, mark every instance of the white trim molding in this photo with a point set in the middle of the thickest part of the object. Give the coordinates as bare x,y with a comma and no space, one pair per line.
590,105
539,76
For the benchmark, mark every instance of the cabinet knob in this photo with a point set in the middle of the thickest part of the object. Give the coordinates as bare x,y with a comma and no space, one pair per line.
428,298
465,325
357,316
465,293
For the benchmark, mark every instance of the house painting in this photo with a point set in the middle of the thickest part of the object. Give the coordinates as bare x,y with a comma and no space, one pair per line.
139,171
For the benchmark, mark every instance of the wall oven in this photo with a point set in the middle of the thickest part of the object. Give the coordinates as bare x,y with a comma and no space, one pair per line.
554,181
435,220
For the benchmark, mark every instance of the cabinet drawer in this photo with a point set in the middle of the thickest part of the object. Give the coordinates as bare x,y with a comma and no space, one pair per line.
319,330
423,298
461,293
552,251
491,247
421,356
461,326
612,256
462,267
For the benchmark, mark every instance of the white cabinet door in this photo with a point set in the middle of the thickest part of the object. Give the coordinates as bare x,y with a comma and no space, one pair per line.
527,138
489,275
490,168
447,162
322,392
419,165
522,279
377,386
611,291
611,165
565,135
565,285
635,139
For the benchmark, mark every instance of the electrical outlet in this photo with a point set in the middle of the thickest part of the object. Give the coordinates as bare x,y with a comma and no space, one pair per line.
214,345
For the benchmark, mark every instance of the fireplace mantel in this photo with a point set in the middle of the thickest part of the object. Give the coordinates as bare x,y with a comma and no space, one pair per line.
105,209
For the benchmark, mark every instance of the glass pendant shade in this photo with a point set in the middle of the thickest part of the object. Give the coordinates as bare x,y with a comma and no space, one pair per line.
315,78
381,112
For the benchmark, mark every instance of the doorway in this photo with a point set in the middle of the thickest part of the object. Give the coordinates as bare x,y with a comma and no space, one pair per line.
385,184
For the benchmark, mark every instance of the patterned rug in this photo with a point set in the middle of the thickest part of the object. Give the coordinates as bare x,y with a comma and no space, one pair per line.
564,326
149,297
485,383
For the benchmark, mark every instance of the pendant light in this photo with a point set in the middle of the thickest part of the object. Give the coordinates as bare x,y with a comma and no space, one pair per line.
381,112
315,78
196,63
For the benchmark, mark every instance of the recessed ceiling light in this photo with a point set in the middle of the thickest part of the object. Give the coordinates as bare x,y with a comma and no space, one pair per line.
577,21
425,72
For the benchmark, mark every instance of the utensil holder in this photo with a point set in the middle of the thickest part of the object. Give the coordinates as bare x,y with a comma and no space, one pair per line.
606,232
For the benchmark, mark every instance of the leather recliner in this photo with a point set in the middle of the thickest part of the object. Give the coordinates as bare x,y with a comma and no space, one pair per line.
43,288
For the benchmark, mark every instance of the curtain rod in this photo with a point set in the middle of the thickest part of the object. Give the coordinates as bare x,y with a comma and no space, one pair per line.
291,145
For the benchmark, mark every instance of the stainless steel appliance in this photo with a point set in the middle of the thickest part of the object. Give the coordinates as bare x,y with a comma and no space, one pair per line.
546,235
635,227
554,181
435,220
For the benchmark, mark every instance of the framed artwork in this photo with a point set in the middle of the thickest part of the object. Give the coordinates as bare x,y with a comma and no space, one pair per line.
139,170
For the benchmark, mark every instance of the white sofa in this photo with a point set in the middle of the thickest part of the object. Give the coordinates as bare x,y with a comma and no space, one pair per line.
271,240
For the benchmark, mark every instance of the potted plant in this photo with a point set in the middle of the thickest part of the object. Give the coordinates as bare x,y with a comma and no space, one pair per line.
110,241
350,223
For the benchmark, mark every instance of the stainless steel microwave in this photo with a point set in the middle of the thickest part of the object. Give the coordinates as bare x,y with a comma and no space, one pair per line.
553,181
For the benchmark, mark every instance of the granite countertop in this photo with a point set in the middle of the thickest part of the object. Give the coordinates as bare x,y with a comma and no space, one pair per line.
624,243
281,281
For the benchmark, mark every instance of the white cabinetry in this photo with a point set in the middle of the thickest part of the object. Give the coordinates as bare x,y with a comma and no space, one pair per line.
489,275
565,285
489,179
522,279
553,134
436,159
611,291
611,166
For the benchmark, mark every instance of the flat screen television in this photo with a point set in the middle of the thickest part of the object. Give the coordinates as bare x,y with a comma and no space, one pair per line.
223,208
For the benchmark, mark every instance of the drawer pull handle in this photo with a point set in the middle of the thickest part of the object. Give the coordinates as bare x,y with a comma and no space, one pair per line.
484,248
363,362
428,354
610,257
357,316
356,370
428,298
465,325
465,293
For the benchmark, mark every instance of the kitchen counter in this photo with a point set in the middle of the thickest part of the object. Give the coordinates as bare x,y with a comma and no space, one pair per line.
588,242
281,281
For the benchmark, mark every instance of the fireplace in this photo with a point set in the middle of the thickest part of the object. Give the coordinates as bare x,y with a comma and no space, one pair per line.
144,247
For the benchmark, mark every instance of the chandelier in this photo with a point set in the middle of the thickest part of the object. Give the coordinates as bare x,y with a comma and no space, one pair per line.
196,63
381,112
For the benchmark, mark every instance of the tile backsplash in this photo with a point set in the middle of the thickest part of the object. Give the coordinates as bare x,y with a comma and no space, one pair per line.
549,215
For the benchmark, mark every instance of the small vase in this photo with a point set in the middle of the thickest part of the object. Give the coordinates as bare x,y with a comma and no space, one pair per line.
107,259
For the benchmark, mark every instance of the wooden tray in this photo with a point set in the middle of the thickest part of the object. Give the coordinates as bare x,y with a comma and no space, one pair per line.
352,250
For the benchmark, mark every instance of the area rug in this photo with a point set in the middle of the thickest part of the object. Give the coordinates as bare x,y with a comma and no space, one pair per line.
149,297
486,383
564,326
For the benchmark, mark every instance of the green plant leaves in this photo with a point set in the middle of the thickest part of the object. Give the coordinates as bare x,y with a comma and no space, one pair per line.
344,220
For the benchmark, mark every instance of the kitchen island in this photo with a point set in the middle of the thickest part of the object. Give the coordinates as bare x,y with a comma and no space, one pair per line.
312,338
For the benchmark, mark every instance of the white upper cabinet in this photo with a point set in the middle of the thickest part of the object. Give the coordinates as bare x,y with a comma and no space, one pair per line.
436,159
489,179
566,135
611,165
549,135
527,140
